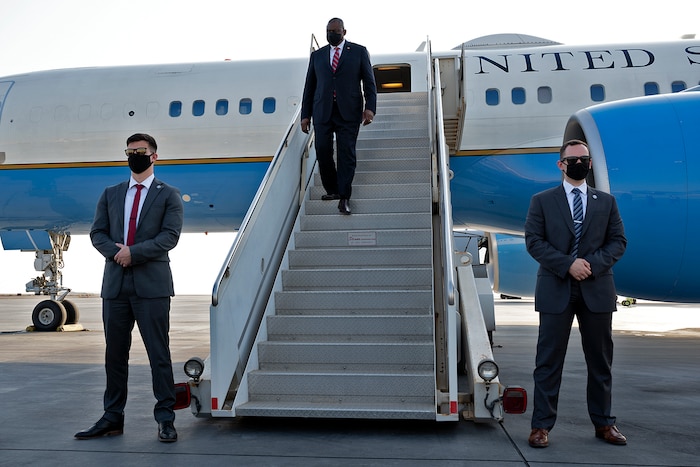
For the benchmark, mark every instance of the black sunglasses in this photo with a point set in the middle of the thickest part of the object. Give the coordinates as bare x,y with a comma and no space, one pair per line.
136,151
573,159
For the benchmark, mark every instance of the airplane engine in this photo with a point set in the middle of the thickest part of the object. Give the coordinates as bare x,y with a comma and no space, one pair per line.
513,272
646,152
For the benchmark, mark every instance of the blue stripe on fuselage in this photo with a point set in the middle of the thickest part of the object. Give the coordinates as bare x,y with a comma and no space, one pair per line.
486,191
64,199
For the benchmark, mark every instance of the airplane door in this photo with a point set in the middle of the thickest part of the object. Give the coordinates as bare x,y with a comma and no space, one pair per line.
4,90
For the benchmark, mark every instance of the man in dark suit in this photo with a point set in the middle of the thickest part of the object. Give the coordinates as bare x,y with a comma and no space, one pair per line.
576,242
338,75
137,223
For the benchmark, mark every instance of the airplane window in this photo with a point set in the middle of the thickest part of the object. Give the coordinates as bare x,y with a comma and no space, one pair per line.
198,108
651,88
492,97
84,112
518,96
597,93
175,109
245,106
544,94
269,104
222,107
677,86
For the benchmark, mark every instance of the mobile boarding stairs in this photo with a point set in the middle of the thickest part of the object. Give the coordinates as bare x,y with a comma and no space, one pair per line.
371,315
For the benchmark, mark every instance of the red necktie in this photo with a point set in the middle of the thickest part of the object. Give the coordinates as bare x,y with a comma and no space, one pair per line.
134,214
336,57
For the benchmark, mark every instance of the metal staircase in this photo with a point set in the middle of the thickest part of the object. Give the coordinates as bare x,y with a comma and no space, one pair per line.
352,333
317,314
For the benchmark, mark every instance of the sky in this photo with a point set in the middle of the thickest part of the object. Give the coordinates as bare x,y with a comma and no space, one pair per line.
48,34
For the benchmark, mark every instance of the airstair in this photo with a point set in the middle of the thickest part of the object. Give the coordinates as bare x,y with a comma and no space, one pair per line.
352,332
317,314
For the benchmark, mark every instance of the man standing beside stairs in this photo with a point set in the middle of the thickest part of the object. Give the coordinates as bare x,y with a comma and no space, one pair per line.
338,75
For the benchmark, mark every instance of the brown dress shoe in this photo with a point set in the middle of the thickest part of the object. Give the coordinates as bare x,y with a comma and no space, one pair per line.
539,438
610,434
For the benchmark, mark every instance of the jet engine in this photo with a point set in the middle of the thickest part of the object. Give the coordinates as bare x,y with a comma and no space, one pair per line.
646,152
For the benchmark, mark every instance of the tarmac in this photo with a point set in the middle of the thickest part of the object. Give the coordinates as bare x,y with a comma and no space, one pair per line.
51,386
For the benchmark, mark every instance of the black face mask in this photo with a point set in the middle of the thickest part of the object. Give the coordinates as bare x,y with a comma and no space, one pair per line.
577,171
334,38
139,164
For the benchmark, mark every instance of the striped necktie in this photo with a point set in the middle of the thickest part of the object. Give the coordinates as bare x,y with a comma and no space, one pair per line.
578,220
336,57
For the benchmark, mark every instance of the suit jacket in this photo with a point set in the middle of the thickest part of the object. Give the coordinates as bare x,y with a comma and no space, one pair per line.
549,237
354,68
157,232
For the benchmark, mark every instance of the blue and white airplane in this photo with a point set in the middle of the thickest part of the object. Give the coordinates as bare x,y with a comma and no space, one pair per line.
508,102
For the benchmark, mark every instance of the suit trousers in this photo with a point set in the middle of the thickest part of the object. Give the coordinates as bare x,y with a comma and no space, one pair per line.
338,181
596,340
153,318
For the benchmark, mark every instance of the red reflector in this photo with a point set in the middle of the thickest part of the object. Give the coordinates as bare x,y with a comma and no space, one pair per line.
215,403
453,406
183,398
514,400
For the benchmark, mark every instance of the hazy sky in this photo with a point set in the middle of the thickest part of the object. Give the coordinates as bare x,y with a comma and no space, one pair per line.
46,34
43,34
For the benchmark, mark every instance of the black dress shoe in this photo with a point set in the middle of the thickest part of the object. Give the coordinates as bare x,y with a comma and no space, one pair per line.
330,196
103,427
166,432
344,207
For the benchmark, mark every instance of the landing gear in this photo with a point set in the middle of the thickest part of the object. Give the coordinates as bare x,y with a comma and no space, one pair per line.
50,315
72,312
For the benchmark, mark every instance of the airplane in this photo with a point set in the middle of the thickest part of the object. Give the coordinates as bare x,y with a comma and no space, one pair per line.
509,100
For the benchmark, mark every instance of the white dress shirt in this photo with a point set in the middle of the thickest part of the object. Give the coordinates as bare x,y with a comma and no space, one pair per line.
568,187
129,201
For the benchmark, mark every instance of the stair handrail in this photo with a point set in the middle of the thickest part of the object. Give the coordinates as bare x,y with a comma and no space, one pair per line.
445,199
245,283
254,206
450,313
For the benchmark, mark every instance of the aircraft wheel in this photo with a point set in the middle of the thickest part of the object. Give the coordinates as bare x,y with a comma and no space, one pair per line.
72,312
48,315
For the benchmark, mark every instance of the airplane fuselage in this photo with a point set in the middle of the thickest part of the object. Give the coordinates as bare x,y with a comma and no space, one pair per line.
218,124
62,132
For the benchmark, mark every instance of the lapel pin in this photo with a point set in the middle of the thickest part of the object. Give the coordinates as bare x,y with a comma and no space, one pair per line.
595,196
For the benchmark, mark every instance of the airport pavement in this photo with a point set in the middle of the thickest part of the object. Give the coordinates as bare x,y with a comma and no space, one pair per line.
52,384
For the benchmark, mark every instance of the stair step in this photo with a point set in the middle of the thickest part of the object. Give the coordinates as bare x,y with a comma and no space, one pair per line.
358,279
300,386
359,191
353,238
365,221
351,328
368,257
371,206
341,358
343,409
396,177
388,142
392,153
379,165
351,302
